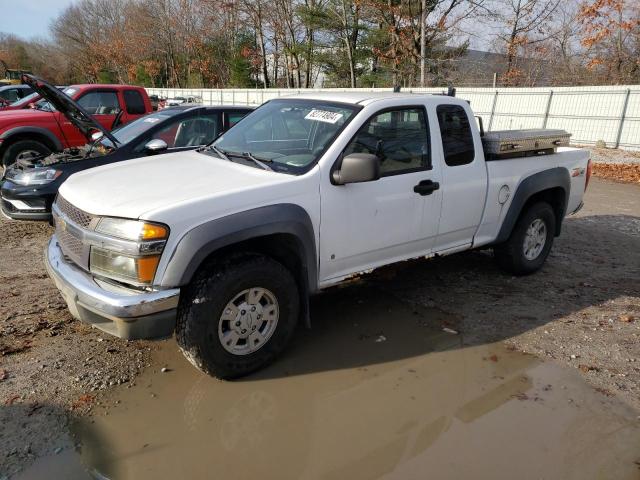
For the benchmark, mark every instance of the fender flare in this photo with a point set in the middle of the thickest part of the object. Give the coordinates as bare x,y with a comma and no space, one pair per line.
53,140
553,178
200,242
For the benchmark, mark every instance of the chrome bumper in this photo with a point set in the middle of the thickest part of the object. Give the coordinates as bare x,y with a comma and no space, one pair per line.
119,311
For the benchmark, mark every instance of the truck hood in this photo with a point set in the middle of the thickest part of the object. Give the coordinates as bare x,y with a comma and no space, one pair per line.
132,188
8,117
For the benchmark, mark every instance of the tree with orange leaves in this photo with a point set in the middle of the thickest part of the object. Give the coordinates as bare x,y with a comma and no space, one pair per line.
611,33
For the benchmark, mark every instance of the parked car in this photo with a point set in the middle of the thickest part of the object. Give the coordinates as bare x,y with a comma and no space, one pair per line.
30,101
31,132
182,100
30,185
157,102
13,93
304,193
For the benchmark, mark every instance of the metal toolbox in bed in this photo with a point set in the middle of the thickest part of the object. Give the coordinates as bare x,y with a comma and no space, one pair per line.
523,143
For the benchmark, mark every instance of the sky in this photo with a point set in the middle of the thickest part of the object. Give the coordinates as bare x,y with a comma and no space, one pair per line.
29,18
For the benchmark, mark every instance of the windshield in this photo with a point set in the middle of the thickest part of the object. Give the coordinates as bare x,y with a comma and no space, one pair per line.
27,99
290,135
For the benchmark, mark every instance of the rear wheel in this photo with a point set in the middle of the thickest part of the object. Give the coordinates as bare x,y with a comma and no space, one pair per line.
24,150
236,317
529,245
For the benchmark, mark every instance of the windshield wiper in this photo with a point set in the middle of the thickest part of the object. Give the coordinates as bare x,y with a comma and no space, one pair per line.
220,152
260,162
224,154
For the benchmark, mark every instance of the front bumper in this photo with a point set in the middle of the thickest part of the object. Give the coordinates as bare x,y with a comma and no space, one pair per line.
26,203
125,313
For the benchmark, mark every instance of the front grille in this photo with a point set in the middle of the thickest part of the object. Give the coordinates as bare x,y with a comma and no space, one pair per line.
71,246
73,214
70,221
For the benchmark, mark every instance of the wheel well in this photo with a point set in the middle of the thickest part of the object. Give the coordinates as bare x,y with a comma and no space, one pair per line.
38,137
556,197
282,247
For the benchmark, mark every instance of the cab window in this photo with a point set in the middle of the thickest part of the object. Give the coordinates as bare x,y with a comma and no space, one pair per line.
398,137
457,139
134,102
189,132
100,103
235,117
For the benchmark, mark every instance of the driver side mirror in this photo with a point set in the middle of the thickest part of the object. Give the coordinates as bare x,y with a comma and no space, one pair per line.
357,168
95,136
156,146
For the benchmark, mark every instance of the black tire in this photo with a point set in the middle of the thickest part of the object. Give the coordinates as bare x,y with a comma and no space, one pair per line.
14,150
201,307
511,254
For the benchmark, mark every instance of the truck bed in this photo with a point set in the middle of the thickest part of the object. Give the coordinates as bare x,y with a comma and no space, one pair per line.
510,172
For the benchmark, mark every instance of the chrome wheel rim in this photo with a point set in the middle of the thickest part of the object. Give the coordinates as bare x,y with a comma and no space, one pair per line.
27,154
248,321
535,239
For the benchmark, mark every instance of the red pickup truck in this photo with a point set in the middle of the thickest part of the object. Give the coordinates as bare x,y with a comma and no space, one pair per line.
42,130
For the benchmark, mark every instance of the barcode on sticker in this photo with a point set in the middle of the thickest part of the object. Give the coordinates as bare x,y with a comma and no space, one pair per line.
323,116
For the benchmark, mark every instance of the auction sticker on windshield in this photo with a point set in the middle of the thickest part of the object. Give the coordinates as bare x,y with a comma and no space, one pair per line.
323,116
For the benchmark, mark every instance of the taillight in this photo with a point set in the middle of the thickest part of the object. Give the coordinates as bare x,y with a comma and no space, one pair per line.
588,176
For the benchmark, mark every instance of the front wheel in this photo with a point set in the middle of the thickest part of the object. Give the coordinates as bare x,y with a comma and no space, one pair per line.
529,245
24,150
236,317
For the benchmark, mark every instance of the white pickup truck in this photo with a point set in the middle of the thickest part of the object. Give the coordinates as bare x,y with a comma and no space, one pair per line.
224,245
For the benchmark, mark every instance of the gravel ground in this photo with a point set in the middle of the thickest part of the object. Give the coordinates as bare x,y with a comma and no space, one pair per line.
582,310
613,155
50,364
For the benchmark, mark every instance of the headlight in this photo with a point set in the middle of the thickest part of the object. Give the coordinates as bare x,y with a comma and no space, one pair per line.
134,262
125,268
132,229
36,176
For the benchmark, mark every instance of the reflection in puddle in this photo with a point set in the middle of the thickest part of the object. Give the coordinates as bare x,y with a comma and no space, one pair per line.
340,405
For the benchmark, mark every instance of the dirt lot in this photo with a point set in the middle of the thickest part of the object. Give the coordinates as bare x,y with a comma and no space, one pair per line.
581,311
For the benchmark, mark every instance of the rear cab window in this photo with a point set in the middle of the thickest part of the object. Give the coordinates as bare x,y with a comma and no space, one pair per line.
234,117
457,138
134,102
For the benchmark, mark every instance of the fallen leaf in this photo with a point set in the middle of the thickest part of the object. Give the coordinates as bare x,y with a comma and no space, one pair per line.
493,358
32,408
588,368
3,374
618,171
627,318
604,391
82,400
11,399
10,349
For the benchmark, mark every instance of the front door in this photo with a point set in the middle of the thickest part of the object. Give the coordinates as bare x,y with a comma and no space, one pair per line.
365,225
103,107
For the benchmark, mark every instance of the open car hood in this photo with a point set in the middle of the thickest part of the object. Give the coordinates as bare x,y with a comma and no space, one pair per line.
69,108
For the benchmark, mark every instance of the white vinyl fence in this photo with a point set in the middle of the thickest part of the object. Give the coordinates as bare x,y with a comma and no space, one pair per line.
610,113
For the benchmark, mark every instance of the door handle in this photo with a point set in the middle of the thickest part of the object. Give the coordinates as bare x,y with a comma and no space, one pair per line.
426,187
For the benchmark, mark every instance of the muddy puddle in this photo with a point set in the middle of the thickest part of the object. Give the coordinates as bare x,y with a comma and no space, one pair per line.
377,389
